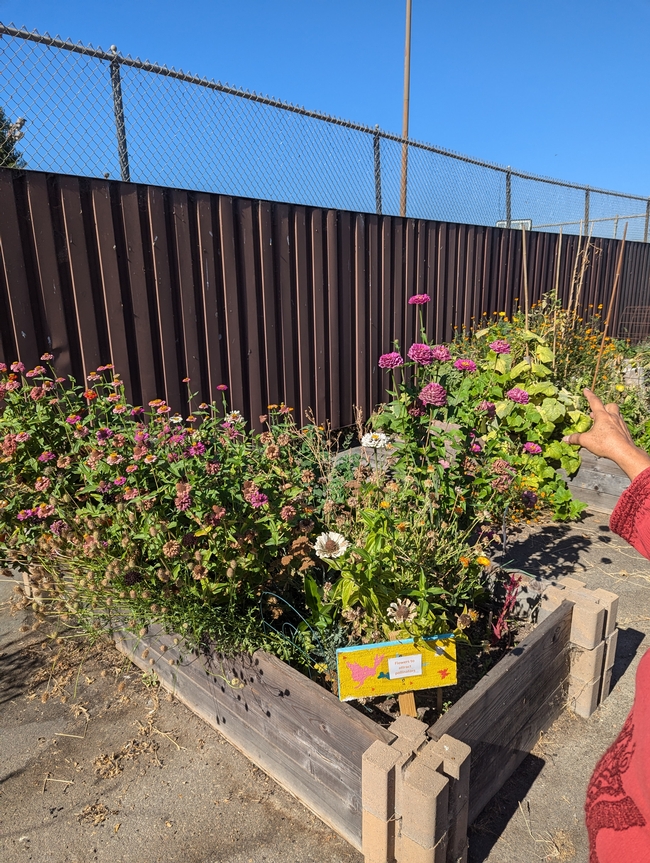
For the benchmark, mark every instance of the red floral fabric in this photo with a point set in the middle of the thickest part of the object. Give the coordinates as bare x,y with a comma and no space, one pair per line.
617,808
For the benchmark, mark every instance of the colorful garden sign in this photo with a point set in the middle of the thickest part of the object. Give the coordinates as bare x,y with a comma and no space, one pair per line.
391,667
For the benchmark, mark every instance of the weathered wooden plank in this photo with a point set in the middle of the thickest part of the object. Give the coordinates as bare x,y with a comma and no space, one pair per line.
292,728
502,716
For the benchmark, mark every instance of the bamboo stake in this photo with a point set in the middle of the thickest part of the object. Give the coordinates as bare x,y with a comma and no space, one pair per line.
556,290
525,268
575,271
583,269
617,279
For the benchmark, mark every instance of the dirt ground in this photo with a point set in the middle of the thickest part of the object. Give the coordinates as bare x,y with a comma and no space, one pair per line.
99,766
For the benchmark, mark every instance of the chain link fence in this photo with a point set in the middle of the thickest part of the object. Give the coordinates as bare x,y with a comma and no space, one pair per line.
70,108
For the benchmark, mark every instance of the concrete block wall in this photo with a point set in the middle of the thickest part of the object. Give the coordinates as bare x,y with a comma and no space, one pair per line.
593,640
415,796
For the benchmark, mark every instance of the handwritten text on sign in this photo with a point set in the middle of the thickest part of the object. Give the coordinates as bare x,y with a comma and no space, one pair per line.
391,667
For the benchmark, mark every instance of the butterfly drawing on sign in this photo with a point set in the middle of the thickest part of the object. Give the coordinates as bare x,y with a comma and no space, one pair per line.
360,673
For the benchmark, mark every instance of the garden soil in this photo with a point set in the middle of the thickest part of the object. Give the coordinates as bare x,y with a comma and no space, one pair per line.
108,769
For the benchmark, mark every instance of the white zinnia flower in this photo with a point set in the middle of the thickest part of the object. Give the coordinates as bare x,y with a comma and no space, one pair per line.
234,417
402,611
376,440
331,545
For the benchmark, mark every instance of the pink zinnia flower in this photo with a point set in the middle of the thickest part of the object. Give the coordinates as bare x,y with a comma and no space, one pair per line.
137,411
443,463
222,389
25,514
465,365
43,510
47,357
419,299
196,449
163,409
257,499
12,385
390,361
130,493
516,394
421,354
433,394
186,380
42,483
532,448
489,407
119,481
46,456
131,468
3,367
500,346
17,367
440,353
476,447
73,419
22,437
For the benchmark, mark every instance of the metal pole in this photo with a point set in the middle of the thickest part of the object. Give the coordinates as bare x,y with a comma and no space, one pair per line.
405,111
615,226
377,153
118,109
586,211
508,199
647,220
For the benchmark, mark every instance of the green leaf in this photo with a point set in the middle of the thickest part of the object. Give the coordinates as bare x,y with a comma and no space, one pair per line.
551,410
504,408
544,354
523,366
540,370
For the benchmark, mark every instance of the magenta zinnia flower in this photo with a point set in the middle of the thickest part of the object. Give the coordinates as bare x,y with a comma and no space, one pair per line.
489,407
532,448
390,361
257,499
440,353
46,456
419,299
516,394
222,389
421,354
433,394
73,419
500,346
465,365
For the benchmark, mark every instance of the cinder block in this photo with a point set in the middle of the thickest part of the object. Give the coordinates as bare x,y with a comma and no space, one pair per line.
425,800
606,685
456,756
378,779
587,623
610,601
610,650
571,583
583,697
587,665
405,759
377,839
409,728
408,851
457,766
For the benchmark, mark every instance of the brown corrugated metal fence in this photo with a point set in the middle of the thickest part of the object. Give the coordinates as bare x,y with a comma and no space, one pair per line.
281,302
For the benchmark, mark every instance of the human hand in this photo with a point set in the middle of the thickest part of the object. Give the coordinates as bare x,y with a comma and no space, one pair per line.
609,437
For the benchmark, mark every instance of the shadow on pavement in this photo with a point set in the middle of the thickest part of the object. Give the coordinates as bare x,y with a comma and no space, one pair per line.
17,665
551,552
490,824
629,641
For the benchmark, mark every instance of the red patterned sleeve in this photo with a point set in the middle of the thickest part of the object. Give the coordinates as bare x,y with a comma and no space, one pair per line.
631,516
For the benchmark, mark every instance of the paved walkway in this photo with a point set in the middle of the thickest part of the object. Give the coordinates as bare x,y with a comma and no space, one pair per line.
108,770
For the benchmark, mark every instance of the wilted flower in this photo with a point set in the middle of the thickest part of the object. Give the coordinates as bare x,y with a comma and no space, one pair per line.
433,394
529,498
419,299
516,394
182,501
532,448
421,353
331,544
402,611
212,467
489,407
42,483
171,549
500,346
465,365
375,440
392,360
287,512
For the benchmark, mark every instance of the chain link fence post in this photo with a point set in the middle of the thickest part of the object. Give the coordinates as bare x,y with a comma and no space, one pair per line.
376,146
118,109
586,212
647,220
508,198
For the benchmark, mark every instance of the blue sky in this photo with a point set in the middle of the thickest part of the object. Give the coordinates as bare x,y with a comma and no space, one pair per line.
555,88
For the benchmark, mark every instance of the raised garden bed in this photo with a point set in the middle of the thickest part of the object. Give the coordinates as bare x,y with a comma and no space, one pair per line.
599,482
313,745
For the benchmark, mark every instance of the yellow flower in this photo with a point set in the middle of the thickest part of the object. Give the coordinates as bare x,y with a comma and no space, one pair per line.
482,560
620,388
502,314
321,667
384,504
464,560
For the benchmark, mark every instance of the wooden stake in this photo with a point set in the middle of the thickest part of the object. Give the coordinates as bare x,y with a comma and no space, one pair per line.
406,700
617,279
525,268
556,289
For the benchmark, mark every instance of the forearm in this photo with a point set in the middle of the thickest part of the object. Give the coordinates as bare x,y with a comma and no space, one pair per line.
631,459
631,516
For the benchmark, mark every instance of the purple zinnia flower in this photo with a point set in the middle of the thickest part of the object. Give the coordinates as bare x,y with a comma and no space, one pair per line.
196,449
516,394
529,498
57,526
500,346
390,361
433,394
419,300
489,407
120,480
465,365
476,447
421,353
440,353
104,434
257,499
532,448
46,456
